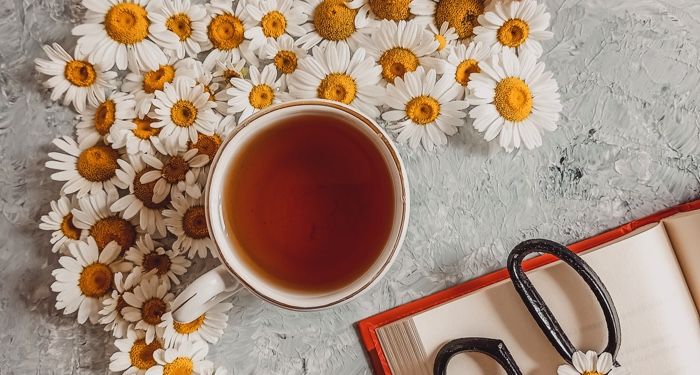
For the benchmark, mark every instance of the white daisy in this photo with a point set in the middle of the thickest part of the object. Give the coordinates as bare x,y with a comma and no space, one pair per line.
88,167
139,201
183,109
137,136
208,327
117,32
463,61
271,19
424,109
230,68
392,10
250,96
462,15
205,77
85,278
401,47
186,20
97,122
60,221
285,55
167,264
516,100
144,84
111,313
188,222
188,358
81,80
446,37
174,174
591,363
135,356
518,26
332,21
93,215
209,144
147,304
226,33
333,73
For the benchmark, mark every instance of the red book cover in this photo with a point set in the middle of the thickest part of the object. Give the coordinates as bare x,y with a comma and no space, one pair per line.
368,327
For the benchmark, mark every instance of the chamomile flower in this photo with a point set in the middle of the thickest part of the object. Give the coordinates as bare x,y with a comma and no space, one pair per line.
60,222
226,33
104,226
230,68
85,278
135,356
151,256
285,55
117,33
111,313
464,60
424,109
446,37
88,167
139,201
250,96
147,304
188,222
186,20
138,136
174,174
271,19
333,73
209,144
183,109
591,363
97,122
144,84
462,15
332,21
77,79
187,358
392,10
401,47
208,327
516,100
517,25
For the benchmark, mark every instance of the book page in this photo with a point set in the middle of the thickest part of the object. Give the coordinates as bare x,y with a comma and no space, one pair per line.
684,232
660,327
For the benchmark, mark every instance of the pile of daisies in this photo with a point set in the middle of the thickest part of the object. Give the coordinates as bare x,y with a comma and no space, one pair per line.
158,84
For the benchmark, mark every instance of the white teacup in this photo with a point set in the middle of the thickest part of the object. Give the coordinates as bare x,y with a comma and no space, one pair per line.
233,274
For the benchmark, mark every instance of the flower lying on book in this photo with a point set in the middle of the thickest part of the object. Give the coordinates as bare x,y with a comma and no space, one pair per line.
591,363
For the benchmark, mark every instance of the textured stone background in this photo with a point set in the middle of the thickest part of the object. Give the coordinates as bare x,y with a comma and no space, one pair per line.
628,145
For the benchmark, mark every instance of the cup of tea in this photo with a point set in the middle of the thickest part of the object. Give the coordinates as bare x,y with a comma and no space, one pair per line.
308,204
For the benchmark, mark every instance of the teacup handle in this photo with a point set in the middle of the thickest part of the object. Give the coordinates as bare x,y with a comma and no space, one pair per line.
204,293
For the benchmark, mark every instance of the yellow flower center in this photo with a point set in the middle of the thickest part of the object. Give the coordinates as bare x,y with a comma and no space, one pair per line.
152,310
143,129
395,10
339,87
460,14
465,69
261,96
181,25
80,73
592,373
513,99
206,145
95,280
160,262
113,228
175,169
68,229
230,73
286,61
334,20
104,117
141,354
97,163
187,328
156,79
144,192
273,24
423,109
225,31
183,113
127,23
194,223
180,366
442,42
513,33
396,62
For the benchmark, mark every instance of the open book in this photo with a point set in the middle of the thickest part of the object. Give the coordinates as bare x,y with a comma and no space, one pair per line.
651,272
